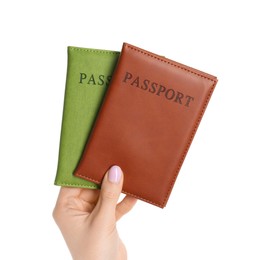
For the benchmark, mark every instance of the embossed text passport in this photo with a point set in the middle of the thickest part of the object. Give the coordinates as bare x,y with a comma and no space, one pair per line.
146,124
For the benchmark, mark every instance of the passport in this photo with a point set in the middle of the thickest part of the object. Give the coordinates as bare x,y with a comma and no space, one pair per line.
146,124
89,73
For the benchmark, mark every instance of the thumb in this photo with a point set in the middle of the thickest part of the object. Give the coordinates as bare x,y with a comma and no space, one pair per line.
110,190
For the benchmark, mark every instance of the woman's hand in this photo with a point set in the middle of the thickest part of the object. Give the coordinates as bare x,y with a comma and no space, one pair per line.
87,218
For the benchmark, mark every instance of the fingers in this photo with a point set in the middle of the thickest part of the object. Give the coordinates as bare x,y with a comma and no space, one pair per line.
125,206
110,191
67,193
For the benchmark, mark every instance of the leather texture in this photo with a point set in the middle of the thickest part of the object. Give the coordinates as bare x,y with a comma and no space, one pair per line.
88,75
146,124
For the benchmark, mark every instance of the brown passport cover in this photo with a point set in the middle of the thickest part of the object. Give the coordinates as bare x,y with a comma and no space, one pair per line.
146,124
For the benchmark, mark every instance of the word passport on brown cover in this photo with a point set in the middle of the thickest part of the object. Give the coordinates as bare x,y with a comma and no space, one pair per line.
146,124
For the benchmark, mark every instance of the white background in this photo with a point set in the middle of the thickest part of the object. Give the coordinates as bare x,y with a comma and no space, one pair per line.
222,204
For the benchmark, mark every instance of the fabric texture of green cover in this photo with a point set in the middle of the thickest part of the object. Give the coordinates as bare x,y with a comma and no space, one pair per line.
88,76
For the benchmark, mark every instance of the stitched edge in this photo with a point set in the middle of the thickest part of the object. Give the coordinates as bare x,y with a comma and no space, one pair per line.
169,62
133,195
75,185
92,50
189,141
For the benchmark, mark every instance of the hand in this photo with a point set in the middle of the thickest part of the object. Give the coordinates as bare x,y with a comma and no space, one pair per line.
87,218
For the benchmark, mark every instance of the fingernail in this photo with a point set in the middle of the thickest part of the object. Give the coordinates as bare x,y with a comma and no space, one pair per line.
114,174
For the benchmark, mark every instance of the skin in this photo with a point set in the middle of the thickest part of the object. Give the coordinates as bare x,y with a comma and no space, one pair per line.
87,219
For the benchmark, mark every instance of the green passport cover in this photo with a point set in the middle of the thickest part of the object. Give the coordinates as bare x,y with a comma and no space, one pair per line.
88,75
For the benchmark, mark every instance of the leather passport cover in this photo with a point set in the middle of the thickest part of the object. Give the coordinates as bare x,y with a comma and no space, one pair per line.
88,75
146,124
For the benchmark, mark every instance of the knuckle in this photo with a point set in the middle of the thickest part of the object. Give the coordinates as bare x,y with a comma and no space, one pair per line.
109,195
56,214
